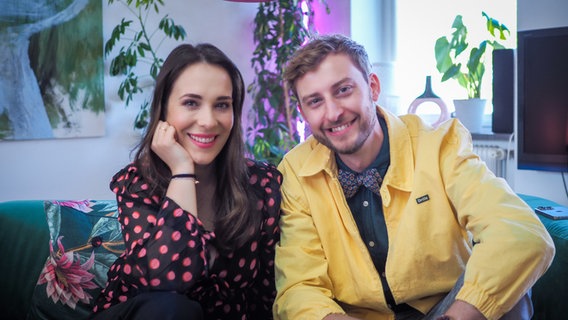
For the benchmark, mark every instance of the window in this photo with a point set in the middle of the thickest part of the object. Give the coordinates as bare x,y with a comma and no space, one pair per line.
417,25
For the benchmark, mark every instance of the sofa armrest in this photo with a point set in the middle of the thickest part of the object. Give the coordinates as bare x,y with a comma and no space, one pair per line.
24,239
550,292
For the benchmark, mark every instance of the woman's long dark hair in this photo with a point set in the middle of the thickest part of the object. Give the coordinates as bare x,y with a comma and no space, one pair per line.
236,218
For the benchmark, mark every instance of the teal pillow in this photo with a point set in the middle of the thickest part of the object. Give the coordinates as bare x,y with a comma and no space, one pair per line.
85,239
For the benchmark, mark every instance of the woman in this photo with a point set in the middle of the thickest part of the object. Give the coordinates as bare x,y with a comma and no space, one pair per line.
199,221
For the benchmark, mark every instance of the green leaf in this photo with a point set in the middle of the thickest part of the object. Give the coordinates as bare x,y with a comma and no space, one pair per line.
442,52
451,72
475,56
135,40
145,46
154,69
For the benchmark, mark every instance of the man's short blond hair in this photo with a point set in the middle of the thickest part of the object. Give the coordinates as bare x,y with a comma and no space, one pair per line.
310,56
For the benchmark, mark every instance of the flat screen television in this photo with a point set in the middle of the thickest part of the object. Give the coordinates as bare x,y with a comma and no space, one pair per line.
542,114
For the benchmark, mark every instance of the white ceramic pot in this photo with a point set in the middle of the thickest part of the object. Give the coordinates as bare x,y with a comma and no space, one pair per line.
470,113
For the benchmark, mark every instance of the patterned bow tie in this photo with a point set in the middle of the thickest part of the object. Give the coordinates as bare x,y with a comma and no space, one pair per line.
352,181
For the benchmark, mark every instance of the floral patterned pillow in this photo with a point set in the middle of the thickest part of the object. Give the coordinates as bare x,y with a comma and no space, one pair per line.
85,239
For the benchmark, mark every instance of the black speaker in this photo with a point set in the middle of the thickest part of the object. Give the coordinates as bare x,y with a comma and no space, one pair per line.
503,91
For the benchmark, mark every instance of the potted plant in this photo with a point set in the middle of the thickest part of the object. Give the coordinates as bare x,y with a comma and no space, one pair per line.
453,61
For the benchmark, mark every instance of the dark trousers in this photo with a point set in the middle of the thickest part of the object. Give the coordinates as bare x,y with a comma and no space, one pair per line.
523,310
152,306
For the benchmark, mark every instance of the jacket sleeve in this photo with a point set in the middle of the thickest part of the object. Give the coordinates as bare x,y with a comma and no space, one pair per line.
304,290
512,248
165,245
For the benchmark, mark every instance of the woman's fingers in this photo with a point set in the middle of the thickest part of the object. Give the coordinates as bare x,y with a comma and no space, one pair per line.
165,145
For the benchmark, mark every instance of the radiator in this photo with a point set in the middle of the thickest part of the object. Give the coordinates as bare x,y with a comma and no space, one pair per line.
495,157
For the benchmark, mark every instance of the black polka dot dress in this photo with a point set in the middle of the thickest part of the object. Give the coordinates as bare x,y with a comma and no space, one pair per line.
167,250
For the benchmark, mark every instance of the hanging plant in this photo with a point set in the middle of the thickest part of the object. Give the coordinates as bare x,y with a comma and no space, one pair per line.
140,45
280,27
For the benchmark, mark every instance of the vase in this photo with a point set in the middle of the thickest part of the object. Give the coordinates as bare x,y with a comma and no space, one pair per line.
429,96
470,113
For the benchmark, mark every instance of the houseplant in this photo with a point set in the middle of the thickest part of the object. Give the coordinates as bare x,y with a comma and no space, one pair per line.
453,61
139,44
280,27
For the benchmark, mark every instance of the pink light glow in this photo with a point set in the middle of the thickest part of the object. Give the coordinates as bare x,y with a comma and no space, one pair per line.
305,11
301,127
336,21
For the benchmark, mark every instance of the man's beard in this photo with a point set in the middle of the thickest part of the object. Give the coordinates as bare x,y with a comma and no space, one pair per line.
364,133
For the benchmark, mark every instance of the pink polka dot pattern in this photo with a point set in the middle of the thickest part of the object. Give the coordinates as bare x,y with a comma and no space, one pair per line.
167,246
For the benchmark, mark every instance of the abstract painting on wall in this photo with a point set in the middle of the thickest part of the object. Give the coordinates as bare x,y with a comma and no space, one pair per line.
51,70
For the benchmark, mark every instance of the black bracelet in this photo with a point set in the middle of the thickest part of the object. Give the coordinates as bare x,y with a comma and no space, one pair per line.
185,175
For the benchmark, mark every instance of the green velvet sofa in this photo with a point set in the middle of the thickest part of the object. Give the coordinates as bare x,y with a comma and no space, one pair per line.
25,235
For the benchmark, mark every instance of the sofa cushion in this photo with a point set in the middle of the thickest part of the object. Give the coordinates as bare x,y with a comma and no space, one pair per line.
85,239
550,293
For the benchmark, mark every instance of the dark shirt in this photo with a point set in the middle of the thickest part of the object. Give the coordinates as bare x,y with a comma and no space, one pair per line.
367,207
367,210
166,250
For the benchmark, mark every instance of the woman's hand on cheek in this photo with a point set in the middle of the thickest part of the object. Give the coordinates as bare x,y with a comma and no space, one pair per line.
165,145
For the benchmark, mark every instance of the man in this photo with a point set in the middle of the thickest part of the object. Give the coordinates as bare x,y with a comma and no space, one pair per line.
440,219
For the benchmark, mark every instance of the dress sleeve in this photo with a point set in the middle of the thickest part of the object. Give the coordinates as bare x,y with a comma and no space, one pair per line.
264,291
165,245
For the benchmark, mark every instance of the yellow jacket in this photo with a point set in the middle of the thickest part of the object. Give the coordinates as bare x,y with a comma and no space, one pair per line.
323,266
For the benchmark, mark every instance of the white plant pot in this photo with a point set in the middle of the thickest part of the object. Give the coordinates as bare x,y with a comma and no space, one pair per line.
470,113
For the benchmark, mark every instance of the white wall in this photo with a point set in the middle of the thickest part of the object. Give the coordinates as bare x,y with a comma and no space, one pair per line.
539,15
82,168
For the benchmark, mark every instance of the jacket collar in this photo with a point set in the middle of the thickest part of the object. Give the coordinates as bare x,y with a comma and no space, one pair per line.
320,159
401,171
